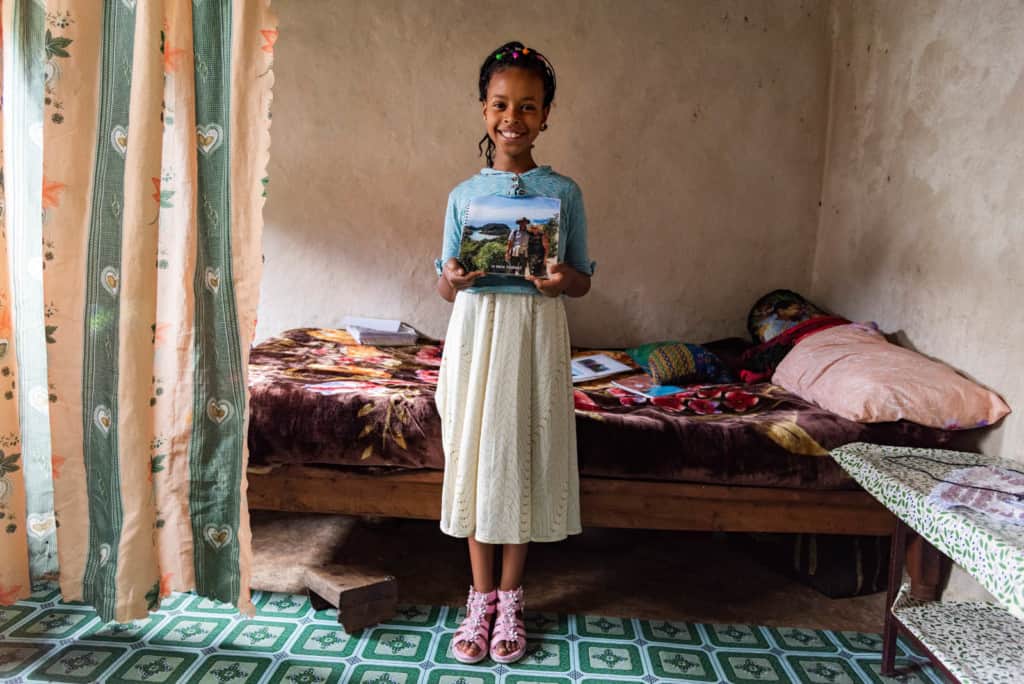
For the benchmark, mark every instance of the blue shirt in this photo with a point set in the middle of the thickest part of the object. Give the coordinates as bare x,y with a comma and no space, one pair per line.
542,182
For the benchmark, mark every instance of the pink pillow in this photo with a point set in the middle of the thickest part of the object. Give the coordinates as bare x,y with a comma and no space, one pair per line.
852,371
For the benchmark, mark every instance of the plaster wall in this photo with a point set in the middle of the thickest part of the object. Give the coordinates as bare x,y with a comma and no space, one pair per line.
695,129
922,223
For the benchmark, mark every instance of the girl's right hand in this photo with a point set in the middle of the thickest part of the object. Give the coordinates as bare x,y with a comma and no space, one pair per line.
457,277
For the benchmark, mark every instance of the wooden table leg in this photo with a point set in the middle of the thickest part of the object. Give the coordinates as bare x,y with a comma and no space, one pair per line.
890,629
927,568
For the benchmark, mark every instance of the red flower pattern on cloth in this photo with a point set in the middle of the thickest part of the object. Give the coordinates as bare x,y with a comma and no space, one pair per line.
165,584
51,193
583,402
269,38
703,407
626,398
672,402
740,401
427,375
701,400
429,356
56,463
9,594
171,56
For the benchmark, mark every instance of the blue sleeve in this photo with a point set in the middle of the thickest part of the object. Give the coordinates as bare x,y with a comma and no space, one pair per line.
576,254
452,233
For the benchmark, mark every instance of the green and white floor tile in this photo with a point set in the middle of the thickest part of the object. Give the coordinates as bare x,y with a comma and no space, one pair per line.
192,640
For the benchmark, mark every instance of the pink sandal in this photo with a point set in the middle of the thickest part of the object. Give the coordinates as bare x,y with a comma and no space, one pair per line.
508,627
475,627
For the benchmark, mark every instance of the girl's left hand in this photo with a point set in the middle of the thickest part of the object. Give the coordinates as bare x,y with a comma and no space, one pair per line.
558,280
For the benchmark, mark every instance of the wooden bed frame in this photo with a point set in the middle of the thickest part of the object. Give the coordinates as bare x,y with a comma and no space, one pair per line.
634,504
631,504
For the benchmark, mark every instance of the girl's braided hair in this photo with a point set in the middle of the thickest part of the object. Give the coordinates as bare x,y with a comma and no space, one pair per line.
513,55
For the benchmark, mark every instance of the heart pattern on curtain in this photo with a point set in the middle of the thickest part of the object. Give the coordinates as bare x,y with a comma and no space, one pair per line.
122,392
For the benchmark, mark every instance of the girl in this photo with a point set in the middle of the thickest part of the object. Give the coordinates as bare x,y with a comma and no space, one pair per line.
505,391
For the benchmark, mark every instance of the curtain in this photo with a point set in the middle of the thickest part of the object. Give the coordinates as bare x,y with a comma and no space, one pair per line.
136,138
14,572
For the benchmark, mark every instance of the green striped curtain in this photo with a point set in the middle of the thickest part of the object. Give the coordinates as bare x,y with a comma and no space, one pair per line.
136,140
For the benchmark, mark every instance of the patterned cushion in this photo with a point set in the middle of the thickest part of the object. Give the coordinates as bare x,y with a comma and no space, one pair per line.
682,364
778,311
641,354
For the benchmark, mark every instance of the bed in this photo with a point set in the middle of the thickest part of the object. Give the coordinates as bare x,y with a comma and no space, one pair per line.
336,427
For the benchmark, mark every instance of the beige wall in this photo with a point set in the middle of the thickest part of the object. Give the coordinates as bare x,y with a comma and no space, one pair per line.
696,130
922,224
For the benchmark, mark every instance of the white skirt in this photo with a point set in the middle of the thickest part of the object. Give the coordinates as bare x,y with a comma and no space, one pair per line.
507,421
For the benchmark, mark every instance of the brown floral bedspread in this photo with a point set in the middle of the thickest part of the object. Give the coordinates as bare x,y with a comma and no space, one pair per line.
316,397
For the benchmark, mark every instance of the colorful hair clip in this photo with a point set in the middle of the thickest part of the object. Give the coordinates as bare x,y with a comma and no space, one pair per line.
515,53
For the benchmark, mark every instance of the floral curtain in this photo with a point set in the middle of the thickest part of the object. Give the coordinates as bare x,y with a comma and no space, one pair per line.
136,142
14,572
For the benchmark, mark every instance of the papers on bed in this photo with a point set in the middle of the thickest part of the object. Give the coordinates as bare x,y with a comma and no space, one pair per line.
595,367
386,325
645,386
991,490
379,332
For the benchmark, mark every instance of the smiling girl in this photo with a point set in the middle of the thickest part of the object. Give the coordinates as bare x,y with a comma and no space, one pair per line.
505,390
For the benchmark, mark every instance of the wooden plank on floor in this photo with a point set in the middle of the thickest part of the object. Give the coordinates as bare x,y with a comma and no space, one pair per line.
362,599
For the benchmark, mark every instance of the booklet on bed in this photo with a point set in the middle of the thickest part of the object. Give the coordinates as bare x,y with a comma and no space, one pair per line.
405,335
379,332
644,385
595,367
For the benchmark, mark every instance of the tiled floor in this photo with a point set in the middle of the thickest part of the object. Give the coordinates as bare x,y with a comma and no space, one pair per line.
194,640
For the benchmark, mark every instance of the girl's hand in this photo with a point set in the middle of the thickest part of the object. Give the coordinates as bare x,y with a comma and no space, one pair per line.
560,278
457,277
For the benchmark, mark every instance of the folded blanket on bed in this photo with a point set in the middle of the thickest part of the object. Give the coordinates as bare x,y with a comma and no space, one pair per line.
758,363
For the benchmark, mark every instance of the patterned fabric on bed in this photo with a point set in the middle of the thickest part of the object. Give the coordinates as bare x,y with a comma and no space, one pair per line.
316,397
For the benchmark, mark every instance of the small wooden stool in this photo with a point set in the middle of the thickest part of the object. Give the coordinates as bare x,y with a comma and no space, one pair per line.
362,599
